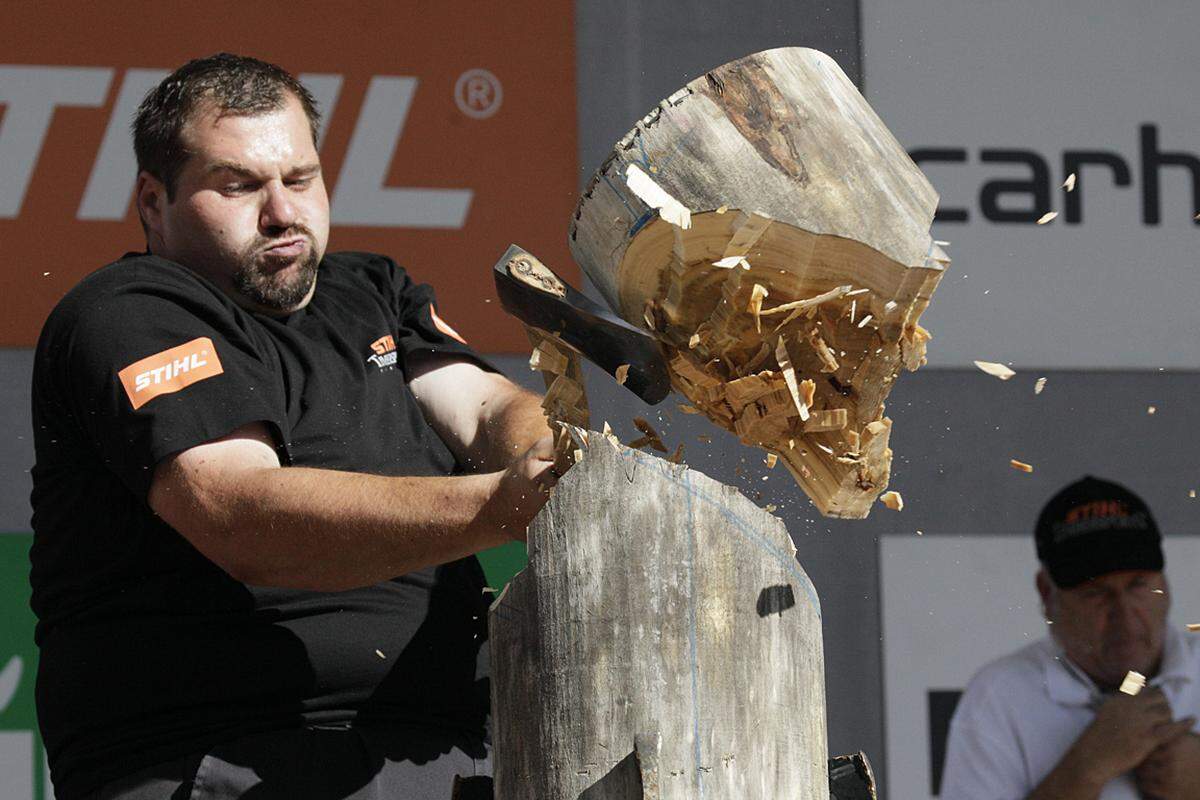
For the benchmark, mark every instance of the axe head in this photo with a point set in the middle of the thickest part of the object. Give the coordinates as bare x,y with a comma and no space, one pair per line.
534,294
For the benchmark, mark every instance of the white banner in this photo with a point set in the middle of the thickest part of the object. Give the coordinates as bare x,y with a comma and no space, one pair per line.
1000,103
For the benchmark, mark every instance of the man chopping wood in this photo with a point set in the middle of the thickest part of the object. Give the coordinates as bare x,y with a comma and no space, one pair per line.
1067,717
262,473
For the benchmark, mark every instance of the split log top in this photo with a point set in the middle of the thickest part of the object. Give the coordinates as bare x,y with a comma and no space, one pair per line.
766,226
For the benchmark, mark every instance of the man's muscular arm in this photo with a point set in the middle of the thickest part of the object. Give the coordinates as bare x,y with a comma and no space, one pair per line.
330,530
485,419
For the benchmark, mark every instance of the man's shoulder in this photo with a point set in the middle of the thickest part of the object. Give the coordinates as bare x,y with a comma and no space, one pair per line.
361,261
133,274
128,289
354,274
1010,676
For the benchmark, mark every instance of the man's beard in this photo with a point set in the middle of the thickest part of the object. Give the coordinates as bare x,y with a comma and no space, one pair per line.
266,287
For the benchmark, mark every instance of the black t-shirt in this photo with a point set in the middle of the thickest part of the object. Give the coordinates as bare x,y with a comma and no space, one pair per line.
149,651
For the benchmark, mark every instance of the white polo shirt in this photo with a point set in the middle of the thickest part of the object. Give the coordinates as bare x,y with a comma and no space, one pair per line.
1021,713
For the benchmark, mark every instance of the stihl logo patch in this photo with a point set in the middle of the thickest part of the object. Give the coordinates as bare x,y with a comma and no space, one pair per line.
384,355
441,325
170,371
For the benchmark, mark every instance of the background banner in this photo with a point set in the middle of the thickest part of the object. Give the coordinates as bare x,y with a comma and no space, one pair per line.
449,133
1000,103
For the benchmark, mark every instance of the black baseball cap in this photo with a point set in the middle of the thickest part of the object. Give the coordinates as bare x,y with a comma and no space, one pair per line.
1094,527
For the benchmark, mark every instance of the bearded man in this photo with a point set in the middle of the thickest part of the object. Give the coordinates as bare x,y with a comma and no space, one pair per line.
262,473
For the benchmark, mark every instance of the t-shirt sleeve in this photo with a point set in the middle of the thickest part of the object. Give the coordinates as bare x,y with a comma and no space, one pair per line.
982,763
422,332
148,373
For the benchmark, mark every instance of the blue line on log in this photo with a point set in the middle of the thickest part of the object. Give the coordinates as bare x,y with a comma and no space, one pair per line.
695,660
744,527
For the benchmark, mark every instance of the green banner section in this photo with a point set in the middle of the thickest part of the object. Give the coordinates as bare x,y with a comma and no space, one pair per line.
20,744
501,563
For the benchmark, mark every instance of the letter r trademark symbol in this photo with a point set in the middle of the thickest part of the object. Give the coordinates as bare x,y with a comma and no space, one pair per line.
478,93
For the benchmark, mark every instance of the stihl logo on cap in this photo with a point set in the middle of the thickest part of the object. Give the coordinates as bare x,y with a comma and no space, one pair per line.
170,371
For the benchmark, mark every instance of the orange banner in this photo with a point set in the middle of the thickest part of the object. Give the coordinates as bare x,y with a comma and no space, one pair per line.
449,134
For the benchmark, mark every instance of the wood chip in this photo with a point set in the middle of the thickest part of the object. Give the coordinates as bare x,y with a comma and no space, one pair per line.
1069,183
828,362
998,370
1193,626
677,456
655,196
731,262
688,409
771,508
1047,217
892,500
1021,465
1039,385
1134,682
622,373
890,306
853,309
789,376
857,292
380,654
830,419
1192,494
693,340
757,295
771,460
646,428
548,358
799,305
862,322
722,209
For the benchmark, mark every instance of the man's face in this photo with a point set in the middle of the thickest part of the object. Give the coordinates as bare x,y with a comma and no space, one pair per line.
1110,624
250,211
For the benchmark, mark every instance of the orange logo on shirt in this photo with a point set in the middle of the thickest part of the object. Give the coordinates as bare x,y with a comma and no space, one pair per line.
441,325
384,352
383,345
170,371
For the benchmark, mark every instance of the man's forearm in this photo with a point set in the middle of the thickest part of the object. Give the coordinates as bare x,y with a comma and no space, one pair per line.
326,530
1069,780
513,428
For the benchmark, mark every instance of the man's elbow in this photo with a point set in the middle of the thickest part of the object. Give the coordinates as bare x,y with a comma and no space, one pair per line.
206,512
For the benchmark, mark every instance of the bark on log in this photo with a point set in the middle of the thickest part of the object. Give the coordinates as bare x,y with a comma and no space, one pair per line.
662,643
765,204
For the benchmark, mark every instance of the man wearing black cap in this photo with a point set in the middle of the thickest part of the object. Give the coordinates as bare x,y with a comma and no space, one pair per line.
1052,720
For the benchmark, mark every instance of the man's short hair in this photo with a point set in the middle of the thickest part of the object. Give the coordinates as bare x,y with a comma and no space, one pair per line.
234,85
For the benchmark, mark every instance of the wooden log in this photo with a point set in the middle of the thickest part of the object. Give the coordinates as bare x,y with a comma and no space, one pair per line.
662,643
766,201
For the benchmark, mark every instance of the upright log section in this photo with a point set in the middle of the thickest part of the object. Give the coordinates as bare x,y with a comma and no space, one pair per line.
662,644
774,235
